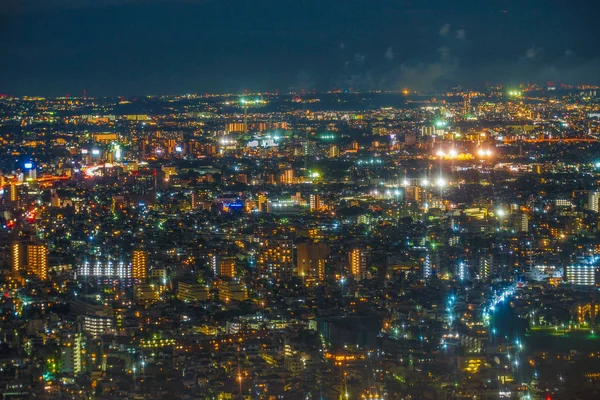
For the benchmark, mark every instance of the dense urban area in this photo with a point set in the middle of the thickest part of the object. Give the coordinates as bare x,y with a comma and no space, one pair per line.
309,245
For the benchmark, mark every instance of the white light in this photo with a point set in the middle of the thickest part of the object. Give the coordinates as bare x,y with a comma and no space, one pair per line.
405,182
425,182
440,182
481,152
440,153
453,153
488,152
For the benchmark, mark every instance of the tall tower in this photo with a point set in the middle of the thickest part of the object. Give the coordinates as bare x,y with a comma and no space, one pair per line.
593,198
358,263
16,257
311,260
14,193
315,202
71,353
139,264
37,260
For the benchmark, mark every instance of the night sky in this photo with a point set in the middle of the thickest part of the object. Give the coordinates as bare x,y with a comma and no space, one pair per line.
130,47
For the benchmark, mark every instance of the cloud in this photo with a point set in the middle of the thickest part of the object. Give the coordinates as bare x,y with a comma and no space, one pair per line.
569,53
533,52
389,53
359,58
11,7
444,30
304,81
342,45
444,53
461,34
427,75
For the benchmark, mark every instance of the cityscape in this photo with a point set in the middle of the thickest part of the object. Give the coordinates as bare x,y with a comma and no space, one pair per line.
392,231
269,245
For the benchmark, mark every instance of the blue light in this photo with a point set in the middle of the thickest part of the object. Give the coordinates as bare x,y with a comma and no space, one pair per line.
28,165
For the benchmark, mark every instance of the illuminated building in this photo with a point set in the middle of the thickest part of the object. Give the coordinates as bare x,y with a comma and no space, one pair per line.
104,270
192,292
358,263
54,199
236,127
593,198
413,193
563,203
14,192
485,266
225,267
287,177
461,271
522,224
16,257
581,274
71,353
159,274
315,202
37,260
232,290
144,183
333,151
194,200
275,258
146,293
96,325
311,260
263,202
139,264
427,268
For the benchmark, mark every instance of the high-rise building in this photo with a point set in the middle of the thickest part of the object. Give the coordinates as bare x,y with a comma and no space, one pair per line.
581,274
522,224
71,353
358,263
485,266
315,202
227,267
223,267
593,198
311,259
427,268
16,257
37,260
334,151
14,192
461,271
139,264
236,127
275,258
413,194
287,177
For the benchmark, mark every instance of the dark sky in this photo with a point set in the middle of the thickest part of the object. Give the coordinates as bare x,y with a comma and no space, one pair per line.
127,47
